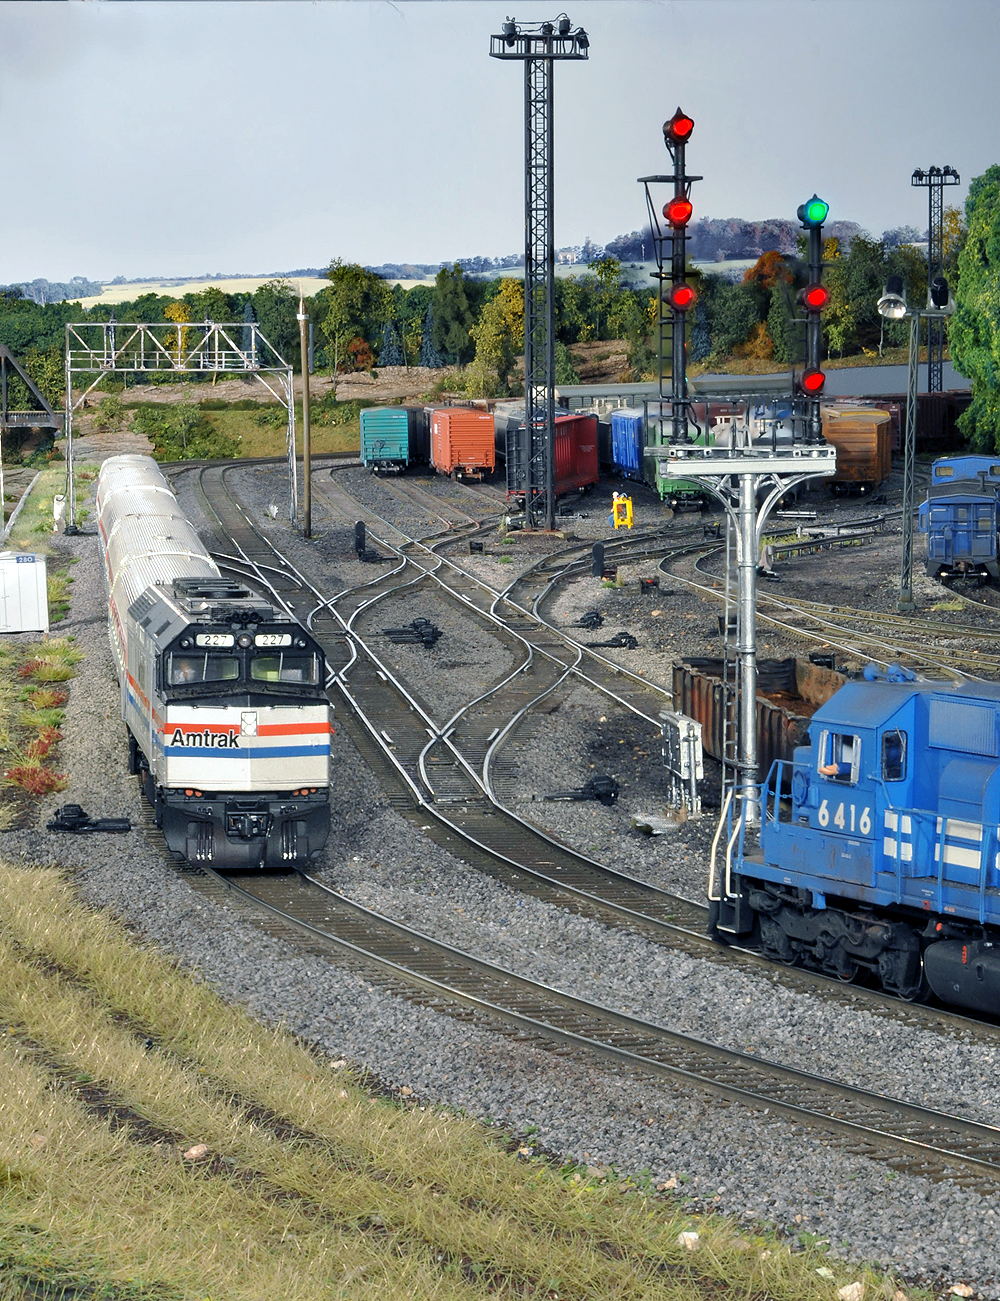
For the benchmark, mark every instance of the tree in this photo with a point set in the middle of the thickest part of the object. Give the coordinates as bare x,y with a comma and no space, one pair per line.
391,351
429,355
954,234
276,306
358,303
453,320
499,337
974,332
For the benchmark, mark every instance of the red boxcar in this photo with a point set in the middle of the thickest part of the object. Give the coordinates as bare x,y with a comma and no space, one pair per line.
576,464
576,453
463,442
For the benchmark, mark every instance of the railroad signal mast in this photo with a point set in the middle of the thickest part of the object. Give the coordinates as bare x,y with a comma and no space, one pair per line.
935,179
752,459
668,228
813,298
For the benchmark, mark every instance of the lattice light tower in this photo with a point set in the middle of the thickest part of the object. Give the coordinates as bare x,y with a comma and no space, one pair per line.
538,45
935,179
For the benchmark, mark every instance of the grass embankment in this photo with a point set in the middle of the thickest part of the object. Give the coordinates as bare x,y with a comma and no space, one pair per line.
34,674
157,1143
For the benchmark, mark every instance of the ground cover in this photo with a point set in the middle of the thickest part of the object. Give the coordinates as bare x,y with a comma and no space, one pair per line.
158,1144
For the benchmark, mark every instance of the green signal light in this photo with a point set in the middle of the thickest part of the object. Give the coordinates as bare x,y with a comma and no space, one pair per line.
814,212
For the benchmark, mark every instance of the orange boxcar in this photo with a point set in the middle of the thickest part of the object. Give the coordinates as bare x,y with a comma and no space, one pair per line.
463,442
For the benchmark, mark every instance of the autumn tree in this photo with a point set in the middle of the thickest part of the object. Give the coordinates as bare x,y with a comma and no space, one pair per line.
499,339
974,330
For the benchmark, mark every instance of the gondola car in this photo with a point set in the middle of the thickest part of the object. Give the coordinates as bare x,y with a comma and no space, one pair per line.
886,860
959,516
222,694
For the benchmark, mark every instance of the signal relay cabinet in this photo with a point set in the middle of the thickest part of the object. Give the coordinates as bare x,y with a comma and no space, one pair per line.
24,593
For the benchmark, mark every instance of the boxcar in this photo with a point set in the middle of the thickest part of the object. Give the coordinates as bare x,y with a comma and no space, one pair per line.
862,437
393,438
576,452
627,442
463,442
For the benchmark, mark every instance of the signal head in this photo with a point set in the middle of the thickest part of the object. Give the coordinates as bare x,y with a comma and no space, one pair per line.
678,211
682,296
815,297
509,30
939,291
678,130
811,382
813,213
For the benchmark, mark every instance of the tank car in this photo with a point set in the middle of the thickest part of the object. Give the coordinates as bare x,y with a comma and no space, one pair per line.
886,859
222,694
959,516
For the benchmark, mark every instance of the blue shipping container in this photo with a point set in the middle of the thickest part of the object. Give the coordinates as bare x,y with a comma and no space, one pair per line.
394,437
627,442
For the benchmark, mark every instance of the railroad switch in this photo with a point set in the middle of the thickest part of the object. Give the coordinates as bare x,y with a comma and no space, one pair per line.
620,641
603,788
420,630
72,818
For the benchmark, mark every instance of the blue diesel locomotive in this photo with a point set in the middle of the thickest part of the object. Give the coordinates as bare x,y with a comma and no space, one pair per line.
886,859
959,516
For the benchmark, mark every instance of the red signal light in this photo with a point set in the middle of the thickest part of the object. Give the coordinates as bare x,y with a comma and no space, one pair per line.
812,382
815,297
678,129
678,211
682,296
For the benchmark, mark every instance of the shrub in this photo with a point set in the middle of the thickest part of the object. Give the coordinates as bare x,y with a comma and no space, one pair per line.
36,779
47,698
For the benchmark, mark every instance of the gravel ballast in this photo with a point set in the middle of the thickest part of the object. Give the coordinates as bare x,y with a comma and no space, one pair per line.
744,1163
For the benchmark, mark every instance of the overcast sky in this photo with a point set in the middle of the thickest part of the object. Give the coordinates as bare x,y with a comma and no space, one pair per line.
179,137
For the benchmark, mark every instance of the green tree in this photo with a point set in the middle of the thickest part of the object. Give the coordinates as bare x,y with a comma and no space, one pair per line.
276,306
358,303
452,317
974,333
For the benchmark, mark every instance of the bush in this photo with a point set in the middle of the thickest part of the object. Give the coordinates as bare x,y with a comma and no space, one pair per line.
182,432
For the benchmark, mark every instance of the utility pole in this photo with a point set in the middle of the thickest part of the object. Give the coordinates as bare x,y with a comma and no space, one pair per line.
303,319
538,45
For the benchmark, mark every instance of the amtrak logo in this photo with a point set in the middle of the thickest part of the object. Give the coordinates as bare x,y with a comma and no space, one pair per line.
229,740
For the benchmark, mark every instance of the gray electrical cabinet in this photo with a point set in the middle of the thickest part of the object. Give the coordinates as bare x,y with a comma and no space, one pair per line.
24,594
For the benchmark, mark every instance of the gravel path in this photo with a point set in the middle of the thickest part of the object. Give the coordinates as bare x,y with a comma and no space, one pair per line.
752,1166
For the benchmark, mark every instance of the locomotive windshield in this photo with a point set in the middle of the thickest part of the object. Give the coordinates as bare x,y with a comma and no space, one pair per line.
202,667
286,666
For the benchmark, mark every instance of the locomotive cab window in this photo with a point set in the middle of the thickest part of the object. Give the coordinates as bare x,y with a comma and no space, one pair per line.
893,756
182,670
839,756
285,667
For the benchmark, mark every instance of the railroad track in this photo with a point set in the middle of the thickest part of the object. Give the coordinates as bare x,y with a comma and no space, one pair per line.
932,645
905,1137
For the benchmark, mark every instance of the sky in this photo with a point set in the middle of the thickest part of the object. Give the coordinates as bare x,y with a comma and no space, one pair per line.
149,138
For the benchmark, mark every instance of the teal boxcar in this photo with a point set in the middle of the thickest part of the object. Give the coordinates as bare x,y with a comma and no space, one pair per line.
393,438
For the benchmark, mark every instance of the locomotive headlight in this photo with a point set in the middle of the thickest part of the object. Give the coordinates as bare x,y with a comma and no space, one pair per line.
301,642
244,640
186,643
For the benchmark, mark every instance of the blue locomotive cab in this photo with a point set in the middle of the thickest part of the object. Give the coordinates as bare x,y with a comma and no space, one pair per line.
888,850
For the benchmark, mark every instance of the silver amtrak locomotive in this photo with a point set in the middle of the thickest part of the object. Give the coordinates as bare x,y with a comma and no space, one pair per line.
222,694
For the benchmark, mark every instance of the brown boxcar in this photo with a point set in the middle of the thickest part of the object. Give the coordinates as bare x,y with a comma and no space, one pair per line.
462,442
863,439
